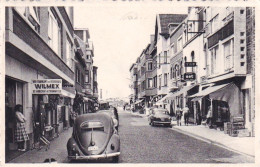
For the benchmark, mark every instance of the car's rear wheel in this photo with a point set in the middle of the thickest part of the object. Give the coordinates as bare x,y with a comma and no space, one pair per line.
115,159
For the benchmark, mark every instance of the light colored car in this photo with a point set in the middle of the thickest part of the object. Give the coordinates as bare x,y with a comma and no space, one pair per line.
159,116
94,137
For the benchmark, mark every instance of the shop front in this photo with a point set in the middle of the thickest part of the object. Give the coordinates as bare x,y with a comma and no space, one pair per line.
224,100
51,109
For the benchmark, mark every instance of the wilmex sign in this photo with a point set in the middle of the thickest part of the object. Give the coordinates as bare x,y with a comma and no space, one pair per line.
47,86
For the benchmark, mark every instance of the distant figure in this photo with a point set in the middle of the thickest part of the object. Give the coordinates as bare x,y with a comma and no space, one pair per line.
20,134
178,115
209,116
186,114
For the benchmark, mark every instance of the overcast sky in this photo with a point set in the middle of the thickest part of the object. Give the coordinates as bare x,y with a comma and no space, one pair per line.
119,32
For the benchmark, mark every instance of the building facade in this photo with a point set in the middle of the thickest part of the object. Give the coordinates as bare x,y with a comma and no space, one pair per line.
207,61
39,49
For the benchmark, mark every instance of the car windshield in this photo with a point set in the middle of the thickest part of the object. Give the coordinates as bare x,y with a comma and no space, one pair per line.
160,112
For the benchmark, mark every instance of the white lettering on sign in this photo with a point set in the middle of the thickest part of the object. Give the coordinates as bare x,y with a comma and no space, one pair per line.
47,86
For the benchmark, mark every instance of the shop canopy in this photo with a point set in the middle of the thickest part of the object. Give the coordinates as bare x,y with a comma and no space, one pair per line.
229,93
171,96
139,101
161,101
207,91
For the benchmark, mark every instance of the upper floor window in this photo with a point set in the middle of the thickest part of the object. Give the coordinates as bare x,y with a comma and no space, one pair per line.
179,44
150,66
214,60
31,14
165,79
87,76
150,82
77,75
54,34
69,53
228,54
214,24
165,57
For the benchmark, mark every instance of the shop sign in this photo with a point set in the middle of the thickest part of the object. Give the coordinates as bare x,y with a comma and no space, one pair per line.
47,86
190,64
189,76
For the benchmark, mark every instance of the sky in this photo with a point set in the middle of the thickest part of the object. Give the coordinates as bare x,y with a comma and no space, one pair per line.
119,31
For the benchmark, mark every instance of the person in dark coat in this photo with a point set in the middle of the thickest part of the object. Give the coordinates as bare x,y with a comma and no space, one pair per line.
20,134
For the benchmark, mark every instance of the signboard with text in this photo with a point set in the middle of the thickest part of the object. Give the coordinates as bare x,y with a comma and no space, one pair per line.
190,64
189,76
46,86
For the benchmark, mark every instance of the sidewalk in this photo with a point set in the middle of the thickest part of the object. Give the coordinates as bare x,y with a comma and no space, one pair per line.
58,151
241,145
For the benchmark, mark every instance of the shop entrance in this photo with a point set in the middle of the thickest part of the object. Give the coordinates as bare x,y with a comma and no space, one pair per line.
13,96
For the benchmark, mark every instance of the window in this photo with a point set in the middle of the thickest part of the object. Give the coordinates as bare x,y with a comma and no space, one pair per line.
150,82
159,60
179,44
69,53
155,81
77,75
31,14
165,79
87,76
214,59
54,34
172,49
176,70
214,24
160,81
82,79
165,57
150,66
228,55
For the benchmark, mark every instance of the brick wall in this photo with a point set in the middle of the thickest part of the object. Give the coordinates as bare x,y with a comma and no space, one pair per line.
29,36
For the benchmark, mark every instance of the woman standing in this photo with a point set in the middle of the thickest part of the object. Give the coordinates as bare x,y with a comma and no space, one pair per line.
20,134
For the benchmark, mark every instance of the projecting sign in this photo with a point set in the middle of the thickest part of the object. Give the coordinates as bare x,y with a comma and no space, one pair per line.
190,64
189,76
46,86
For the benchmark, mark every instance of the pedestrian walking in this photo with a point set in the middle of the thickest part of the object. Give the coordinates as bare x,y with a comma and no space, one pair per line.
20,134
186,114
178,115
209,116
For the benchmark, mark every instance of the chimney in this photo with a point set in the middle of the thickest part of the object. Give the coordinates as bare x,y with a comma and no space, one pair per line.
151,38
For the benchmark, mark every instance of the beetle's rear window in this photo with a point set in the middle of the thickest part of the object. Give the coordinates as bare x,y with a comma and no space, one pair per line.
95,125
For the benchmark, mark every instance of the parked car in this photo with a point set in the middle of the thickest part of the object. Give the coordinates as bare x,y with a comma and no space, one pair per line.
159,116
94,137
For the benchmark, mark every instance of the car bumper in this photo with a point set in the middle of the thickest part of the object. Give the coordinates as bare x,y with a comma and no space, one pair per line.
161,122
93,157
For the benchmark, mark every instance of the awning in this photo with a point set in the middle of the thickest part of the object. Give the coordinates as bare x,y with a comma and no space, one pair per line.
206,92
229,93
87,99
171,96
161,101
67,94
139,101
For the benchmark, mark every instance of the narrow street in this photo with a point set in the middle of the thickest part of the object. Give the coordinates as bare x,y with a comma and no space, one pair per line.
141,143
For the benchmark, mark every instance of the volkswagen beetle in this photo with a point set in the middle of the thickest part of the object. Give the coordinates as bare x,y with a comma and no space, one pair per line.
94,137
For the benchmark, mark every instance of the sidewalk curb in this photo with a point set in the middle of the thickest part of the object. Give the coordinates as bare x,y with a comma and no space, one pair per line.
211,142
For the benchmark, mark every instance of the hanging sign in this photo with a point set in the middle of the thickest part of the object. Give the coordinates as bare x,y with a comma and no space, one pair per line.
46,86
190,64
189,76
